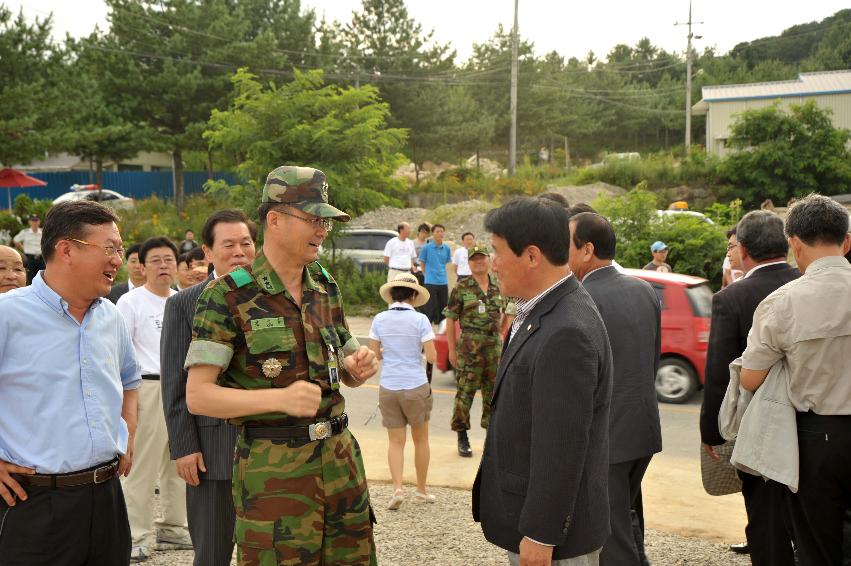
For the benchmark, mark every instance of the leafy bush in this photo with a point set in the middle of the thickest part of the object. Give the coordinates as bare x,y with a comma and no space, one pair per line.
360,291
24,206
697,247
9,226
157,217
659,171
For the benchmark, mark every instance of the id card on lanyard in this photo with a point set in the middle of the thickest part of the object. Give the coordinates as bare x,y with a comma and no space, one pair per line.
333,373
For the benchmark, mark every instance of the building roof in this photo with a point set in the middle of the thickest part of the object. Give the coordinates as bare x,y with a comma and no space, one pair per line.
807,84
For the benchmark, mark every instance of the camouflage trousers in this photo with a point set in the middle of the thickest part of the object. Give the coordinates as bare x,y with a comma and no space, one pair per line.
301,502
478,360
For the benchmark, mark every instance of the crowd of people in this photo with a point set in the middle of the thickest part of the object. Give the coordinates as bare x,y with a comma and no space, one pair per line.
216,377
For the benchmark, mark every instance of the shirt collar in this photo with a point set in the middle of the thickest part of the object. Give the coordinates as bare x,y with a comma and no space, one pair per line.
761,265
51,298
268,279
827,262
405,306
525,306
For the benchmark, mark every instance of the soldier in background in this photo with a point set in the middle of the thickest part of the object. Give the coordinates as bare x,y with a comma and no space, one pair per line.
479,309
270,349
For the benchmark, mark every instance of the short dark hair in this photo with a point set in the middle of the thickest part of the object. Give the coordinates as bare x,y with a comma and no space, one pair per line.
731,232
227,216
72,220
579,208
761,233
196,254
156,242
189,230
401,294
465,234
436,226
134,249
264,209
401,225
422,227
184,258
556,197
594,228
817,219
528,221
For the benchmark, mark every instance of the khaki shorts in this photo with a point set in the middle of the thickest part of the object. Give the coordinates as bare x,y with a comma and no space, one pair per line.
405,406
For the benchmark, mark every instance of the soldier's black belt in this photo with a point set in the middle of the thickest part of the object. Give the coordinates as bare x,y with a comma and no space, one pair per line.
151,376
96,475
315,431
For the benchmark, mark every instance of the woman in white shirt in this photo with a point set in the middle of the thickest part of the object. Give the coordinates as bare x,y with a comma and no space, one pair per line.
399,336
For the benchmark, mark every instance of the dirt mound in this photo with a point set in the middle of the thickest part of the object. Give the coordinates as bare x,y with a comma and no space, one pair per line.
587,193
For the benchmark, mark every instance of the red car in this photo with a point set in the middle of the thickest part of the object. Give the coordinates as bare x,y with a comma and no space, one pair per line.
686,311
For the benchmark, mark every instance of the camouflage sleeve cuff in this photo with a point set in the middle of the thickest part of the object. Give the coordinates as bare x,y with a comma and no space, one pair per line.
450,314
351,346
207,353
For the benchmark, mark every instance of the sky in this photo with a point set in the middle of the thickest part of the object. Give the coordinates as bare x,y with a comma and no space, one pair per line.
570,28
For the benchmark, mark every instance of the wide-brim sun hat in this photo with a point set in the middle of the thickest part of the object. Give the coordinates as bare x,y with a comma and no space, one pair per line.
405,280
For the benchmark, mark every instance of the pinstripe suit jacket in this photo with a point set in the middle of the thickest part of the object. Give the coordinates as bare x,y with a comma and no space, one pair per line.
188,433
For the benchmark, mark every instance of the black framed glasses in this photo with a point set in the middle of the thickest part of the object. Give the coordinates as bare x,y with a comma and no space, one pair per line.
110,251
324,223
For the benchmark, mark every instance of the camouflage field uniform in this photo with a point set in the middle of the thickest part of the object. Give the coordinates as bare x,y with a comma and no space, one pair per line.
478,347
297,501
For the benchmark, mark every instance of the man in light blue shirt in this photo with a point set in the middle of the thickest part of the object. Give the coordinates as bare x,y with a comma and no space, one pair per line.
433,259
68,380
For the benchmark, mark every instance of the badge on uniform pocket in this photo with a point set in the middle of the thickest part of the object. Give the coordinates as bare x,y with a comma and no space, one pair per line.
481,308
333,375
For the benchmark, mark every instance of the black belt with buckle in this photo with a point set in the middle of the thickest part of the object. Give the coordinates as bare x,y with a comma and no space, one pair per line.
97,475
151,376
315,431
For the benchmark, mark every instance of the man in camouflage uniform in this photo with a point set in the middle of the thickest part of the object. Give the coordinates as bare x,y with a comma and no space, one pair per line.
478,307
267,353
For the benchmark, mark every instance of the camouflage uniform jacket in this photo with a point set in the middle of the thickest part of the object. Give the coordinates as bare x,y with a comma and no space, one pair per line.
464,306
247,319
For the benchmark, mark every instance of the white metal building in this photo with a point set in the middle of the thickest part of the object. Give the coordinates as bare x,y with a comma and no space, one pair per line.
721,104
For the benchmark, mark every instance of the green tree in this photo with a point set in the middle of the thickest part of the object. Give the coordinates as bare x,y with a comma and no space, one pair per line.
341,130
32,108
782,154
179,55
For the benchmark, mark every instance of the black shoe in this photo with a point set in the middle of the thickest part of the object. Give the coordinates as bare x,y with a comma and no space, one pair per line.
741,548
464,444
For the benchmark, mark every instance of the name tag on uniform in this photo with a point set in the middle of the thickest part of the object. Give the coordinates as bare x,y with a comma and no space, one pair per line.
261,323
481,308
333,375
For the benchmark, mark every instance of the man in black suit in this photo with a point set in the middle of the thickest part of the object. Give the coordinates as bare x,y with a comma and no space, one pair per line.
202,447
135,274
763,248
541,489
633,317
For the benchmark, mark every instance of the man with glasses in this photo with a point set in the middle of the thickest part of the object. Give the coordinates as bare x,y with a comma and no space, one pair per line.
68,385
142,309
269,352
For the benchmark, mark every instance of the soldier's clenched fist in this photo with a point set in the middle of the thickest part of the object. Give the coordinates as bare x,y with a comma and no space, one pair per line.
301,398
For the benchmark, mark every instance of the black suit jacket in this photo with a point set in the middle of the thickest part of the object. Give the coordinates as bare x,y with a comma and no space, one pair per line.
188,433
732,317
633,316
117,290
544,469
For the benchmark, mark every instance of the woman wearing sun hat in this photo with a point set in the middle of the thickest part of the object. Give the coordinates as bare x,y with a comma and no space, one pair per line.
399,335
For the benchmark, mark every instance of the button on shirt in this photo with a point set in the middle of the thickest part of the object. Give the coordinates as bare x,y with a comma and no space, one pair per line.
401,253
30,240
435,258
807,322
62,382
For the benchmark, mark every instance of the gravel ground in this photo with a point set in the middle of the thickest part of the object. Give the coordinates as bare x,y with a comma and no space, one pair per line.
444,534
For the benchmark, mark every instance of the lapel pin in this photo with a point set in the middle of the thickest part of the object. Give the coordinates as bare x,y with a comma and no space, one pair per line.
529,327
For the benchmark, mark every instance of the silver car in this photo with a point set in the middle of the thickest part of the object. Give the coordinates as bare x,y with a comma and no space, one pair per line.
90,192
364,246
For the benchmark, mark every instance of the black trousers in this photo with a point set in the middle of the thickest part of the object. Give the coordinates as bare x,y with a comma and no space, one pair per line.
35,263
209,508
84,525
622,547
819,508
768,530
437,301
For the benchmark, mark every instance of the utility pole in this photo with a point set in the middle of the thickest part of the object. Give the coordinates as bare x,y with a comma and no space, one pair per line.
688,74
512,143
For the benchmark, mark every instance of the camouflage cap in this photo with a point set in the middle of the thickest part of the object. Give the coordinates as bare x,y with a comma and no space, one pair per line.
304,188
476,250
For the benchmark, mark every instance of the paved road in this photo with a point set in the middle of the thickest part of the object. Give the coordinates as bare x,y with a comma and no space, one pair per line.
674,499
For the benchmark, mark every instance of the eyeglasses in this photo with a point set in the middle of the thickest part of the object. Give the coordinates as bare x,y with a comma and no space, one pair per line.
731,246
168,260
324,223
110,251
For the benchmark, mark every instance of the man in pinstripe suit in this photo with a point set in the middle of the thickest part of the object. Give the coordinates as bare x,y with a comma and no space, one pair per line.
202,447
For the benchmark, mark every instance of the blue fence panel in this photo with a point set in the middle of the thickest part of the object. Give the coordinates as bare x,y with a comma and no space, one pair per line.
134,184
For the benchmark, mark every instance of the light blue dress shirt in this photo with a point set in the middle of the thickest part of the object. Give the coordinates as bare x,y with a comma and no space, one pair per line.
435,258
61,382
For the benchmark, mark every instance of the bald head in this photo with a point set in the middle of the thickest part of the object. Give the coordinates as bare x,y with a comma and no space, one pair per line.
12,272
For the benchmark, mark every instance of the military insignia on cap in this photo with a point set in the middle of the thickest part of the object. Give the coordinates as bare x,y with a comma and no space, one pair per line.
272,368
324,191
